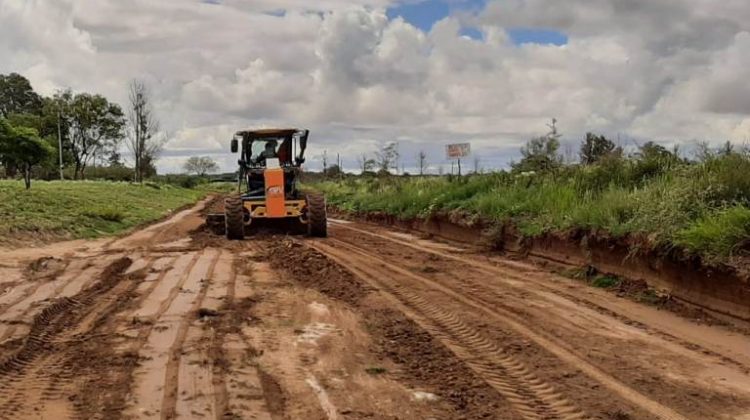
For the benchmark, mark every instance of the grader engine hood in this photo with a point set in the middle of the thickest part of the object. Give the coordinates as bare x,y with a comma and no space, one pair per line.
275,201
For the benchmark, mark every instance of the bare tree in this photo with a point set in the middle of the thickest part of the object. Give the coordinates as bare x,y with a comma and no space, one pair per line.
422,162
387,157
200,165
144,139
366,164
477,162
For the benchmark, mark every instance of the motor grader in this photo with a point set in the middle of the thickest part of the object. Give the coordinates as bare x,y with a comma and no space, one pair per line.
270,164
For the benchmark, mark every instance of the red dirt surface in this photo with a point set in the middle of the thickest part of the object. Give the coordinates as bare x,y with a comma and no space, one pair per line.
172,322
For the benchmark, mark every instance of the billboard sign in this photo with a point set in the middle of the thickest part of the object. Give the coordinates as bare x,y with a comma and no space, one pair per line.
458,151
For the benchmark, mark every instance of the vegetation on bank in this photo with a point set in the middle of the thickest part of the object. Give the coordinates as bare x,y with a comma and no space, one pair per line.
87,209
699,206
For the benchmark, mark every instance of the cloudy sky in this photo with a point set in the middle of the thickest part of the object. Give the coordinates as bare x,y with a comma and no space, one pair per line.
425,73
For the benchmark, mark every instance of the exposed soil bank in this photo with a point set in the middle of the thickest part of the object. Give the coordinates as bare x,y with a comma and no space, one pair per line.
722,291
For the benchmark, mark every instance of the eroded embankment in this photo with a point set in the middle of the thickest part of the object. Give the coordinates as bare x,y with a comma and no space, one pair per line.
722,290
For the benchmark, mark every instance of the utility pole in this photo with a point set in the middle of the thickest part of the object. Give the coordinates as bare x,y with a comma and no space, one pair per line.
59,143
338,163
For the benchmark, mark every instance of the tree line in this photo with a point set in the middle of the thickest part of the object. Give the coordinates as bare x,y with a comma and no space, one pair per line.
42,136
540,154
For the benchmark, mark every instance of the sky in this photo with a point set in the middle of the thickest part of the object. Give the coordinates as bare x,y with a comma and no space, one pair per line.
360,73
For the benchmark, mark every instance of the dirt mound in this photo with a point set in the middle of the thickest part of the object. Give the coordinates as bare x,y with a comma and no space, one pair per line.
311,269
427,363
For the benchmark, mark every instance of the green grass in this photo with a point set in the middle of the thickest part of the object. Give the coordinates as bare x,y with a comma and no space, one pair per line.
86,209
701,208
605,282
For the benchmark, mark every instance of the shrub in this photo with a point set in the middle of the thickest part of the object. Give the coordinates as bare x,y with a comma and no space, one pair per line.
720,234
106,214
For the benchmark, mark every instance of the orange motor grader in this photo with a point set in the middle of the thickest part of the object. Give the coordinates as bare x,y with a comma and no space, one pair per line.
269,167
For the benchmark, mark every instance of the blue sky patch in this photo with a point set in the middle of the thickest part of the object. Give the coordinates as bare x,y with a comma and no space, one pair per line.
521,36
424,13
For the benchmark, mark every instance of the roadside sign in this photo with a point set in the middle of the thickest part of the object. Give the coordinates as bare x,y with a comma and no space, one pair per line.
458,150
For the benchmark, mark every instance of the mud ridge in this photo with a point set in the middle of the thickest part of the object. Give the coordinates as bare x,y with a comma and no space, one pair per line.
425,363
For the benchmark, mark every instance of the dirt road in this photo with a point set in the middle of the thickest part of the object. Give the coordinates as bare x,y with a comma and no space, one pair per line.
172,322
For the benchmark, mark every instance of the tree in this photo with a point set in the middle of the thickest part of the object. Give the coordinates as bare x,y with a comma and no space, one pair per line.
594,148
366,164
422,162
539,155
143,130
23,147
652,151
387,157
201,165
17,96
96,124
334,171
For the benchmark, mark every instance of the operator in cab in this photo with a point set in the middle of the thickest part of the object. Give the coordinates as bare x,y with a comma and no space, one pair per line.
268,153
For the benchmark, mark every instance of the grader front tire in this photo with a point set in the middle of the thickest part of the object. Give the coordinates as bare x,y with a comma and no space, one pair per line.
234,218
317,225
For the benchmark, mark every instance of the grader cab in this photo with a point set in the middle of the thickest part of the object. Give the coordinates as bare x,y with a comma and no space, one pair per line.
269,167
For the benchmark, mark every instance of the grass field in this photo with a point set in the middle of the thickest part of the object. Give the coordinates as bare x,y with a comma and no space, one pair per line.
86,209
702,208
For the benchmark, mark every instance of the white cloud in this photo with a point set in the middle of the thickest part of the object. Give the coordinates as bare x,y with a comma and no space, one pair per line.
672,70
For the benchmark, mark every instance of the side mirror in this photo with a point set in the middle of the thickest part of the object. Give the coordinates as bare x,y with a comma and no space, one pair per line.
303,140
234,145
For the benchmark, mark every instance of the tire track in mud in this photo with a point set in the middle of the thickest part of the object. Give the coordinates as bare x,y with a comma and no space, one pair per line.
502,316
78,275
147,386
175,368
168,313
510,278
530,396
31,377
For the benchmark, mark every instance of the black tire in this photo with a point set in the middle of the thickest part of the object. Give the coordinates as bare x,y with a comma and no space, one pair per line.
234,215
317,219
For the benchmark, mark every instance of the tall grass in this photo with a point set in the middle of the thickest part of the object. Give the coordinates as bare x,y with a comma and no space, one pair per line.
702,208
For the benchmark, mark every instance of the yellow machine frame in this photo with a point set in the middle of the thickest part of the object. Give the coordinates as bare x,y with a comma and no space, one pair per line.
258,209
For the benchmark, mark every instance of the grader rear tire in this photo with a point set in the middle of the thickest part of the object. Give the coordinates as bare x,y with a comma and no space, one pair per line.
234,218
317,218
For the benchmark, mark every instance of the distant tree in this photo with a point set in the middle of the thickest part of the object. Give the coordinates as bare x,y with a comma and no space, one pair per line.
95,124
594,148
366,164
17,96
422,162
333,171
653,151
23,147
115,159
143,132
387,157
201,165
726,149
477,161
539,155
